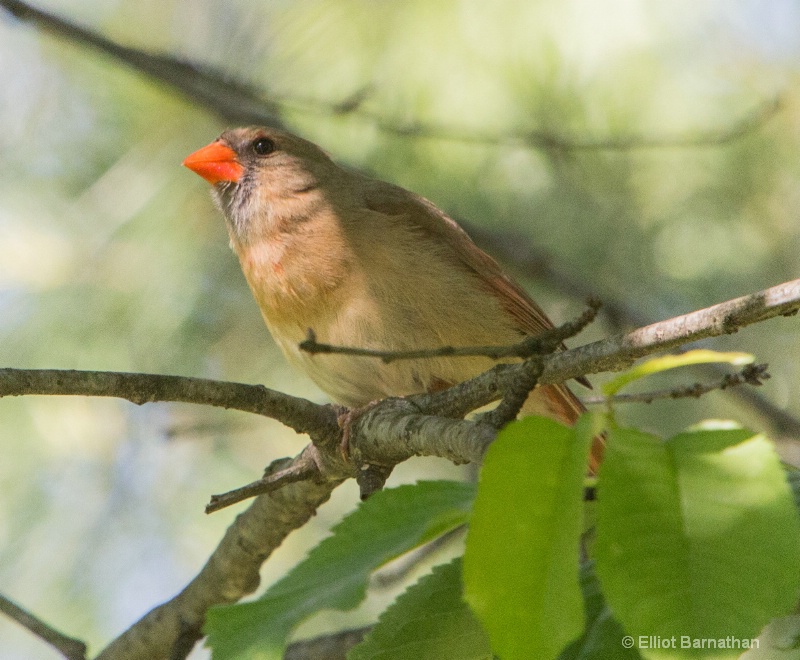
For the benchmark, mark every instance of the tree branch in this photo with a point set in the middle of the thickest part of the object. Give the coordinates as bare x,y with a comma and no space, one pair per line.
543,343
612,354
388,433
237,102
70,648
539,139
278,474
230,573
620,351
752,374
396,429
326,647
516,250
214,90
299,414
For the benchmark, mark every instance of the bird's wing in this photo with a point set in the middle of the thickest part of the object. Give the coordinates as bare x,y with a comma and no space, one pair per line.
528,316
392,200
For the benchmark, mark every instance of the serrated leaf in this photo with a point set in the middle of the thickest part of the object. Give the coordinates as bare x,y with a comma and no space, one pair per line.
697,538
521,561
335,573
430,621
603,636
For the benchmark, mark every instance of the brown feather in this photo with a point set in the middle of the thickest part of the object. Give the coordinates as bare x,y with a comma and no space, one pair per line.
387,198
528,317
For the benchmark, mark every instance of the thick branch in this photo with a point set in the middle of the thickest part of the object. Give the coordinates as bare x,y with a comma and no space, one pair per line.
619,352
232,570
394,431
300,414
612,354
230,573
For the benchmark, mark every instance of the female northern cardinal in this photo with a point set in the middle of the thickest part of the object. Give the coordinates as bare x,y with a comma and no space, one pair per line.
364,263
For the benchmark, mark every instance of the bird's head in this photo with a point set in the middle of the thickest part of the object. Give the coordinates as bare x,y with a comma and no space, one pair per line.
264,180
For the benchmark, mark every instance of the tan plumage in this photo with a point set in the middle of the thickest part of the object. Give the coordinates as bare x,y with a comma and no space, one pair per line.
363,263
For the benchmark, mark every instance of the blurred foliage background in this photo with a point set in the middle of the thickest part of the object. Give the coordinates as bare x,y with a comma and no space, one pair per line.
113,257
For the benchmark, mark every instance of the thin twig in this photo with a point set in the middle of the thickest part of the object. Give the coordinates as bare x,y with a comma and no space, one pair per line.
70,648
541,344
331,647
752,374
274,478
540,139
399,569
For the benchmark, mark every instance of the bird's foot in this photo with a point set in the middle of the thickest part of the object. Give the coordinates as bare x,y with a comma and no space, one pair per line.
370,477
346,417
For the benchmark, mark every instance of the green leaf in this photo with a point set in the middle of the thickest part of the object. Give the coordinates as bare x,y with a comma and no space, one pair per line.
521,560
698,539
430,620
667,362
335,573
603,637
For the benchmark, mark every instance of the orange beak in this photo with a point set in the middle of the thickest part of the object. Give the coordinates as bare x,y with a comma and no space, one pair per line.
215,162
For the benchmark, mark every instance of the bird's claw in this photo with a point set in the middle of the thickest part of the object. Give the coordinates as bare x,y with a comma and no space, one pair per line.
346,418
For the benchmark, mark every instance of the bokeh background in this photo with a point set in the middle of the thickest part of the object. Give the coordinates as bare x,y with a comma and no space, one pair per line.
667,185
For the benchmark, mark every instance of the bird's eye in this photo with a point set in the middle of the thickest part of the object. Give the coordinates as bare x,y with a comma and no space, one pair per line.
263,146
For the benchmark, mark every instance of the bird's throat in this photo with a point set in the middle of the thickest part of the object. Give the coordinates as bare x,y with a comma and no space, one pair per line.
295,276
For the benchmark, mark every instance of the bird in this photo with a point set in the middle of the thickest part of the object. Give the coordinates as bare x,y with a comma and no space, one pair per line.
363,262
